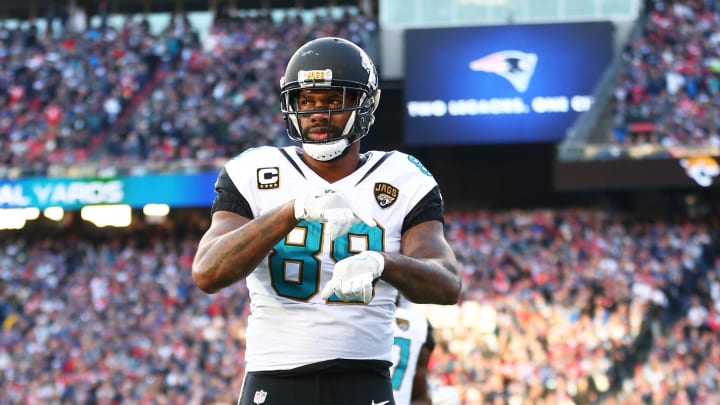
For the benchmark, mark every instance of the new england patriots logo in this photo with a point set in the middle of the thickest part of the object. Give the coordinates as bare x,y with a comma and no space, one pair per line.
515,66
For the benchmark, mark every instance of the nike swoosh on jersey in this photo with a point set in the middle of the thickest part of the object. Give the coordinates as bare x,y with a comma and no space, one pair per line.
379,403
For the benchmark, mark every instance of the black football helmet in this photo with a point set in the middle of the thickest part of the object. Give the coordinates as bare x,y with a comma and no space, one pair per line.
330,63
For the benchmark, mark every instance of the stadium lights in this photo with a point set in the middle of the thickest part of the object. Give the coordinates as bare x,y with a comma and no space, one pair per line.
31,213
119,215
15,218
54,213
12,218
156,210
156,213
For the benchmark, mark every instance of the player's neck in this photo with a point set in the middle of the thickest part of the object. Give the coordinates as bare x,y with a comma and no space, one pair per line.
336,169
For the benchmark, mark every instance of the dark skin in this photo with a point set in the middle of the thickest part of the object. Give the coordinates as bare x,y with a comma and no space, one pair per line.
424,271
420,394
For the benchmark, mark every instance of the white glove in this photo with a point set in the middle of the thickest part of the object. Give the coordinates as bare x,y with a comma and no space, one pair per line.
353,277
332,209
444,395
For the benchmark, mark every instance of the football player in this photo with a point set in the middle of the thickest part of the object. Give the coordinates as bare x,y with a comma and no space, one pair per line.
413,344
325,237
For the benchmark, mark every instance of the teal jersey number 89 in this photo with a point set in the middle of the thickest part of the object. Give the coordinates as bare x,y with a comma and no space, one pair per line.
305,255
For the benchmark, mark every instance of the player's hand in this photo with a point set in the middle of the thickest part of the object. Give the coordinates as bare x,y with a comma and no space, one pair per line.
443,395
353,277
332,209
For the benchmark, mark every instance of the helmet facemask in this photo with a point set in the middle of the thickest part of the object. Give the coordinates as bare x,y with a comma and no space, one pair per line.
330,64
355,101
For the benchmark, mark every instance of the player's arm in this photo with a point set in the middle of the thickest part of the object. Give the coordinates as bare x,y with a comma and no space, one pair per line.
426,271
420,394
234,245
235,242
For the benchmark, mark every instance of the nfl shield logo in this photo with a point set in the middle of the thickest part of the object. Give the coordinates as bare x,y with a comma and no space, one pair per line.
260,397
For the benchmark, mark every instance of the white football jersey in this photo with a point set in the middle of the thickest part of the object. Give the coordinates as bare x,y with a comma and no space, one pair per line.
411,333
290,325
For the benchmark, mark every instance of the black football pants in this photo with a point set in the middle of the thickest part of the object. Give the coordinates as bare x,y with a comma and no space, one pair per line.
329,387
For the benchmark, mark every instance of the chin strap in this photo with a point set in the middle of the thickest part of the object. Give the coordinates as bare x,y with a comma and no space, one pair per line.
326,151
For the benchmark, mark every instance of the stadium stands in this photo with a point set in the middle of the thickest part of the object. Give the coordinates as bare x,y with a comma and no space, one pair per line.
62,94
127,101
568,304
668,93
559,306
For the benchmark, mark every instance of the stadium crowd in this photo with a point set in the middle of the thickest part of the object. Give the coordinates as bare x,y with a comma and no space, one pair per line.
60,94
567,305
128,100
125,101
200,116
559,307
670,90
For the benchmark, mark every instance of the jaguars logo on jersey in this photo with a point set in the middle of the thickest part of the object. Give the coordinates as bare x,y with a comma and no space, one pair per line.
403,324
385,194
